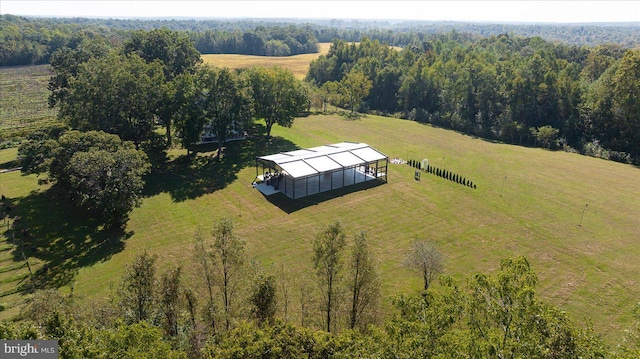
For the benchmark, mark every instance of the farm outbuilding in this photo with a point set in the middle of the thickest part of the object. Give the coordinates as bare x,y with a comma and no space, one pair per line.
309,171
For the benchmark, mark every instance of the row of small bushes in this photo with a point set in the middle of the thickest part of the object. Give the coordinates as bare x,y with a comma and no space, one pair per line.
444,173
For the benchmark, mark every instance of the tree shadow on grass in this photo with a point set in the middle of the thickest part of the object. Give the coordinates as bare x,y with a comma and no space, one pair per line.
352,116
289,205
63,238
203,172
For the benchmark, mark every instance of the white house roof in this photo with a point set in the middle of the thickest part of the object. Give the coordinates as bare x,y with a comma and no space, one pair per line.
311,161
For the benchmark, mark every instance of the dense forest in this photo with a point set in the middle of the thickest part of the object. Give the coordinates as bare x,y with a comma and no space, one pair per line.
519,90
29,41
33,40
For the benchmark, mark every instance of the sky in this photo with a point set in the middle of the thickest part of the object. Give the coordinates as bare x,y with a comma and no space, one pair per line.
480,11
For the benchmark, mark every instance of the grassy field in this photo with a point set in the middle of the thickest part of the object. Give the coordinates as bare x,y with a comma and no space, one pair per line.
298,64
23,100
575,218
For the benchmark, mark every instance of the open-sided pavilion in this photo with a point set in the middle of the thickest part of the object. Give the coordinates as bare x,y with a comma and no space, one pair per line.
309,171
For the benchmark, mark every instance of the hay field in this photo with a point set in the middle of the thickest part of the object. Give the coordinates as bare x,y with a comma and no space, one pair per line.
24,100
298,64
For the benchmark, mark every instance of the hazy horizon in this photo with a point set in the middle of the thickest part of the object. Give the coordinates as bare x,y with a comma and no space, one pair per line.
553,12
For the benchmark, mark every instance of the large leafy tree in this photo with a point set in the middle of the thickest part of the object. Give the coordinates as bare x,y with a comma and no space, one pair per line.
188,118
225,259
230,251
169,300
507,320
175,50
117,94
355,86
178,55
226,104
108,183
277,95
65,63
104,174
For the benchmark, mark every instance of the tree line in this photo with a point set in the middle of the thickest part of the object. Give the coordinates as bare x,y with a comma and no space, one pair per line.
32,40
234,307
266,41
519,90
412,32
28,41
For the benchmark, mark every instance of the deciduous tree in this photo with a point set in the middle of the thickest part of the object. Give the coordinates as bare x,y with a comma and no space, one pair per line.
425,259
263,298
117,94
327,260
364,283
229,251
278,97
137,293
207,261
169,300
103,173
188,118
178,55
226,104
355,86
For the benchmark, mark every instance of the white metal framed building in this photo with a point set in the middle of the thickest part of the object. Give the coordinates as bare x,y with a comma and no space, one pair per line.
309,171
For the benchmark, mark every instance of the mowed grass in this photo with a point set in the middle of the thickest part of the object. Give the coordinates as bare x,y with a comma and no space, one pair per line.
14,274
297,64
528,202
24,99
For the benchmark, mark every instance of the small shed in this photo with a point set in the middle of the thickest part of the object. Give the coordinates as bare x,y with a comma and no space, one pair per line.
309,171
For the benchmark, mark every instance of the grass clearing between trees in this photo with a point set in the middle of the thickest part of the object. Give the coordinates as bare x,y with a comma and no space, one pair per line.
574,217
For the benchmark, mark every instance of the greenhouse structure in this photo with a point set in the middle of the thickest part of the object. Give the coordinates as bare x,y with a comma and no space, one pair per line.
309,171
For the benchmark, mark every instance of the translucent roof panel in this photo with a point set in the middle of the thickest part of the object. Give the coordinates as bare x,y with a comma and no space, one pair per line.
368,154
306,162
323,163
325,149
346,159
276,158
350,145
298,169
299,153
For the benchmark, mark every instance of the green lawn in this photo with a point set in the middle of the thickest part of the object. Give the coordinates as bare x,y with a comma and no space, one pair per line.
528,202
